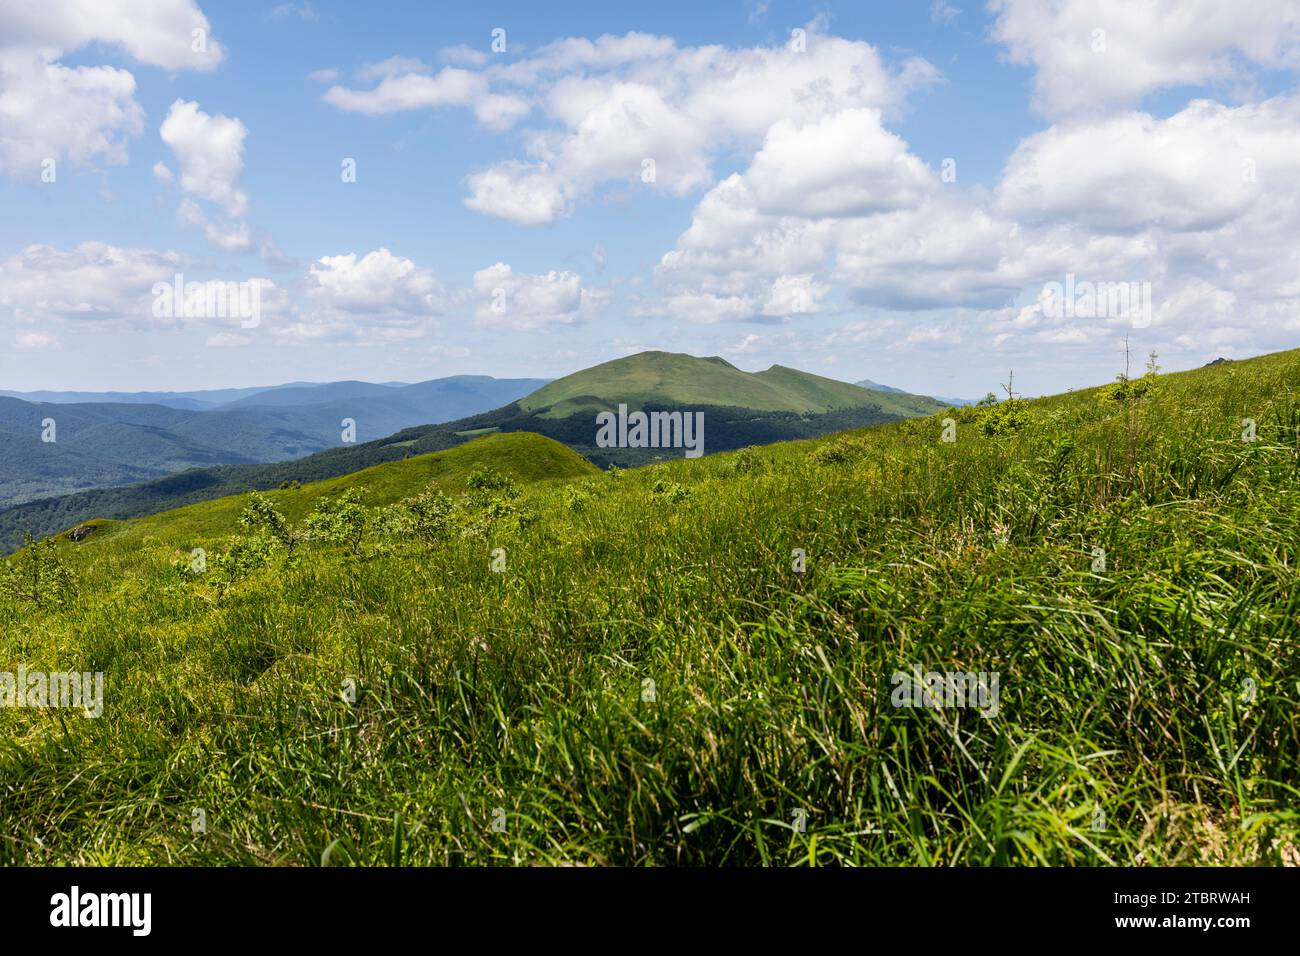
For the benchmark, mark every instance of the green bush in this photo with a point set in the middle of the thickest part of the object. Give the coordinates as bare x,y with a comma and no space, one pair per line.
342,520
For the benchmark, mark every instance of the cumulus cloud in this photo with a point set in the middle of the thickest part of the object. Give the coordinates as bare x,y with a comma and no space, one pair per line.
509,299
762,242
636,109
1196,170
378,283
210,150
86,113
1092,55
524,193
45,288
211,154
846,164
406,84
50,111
376,296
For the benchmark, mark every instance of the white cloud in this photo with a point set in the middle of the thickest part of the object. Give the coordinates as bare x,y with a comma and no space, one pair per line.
392,66
845,164
524,193
794,295
49,111
704,307
210,150
327,75
86,113
618,101
157,33
407,85
764,242
378,296
1141,46
45,288
90,282
1196,170
227,236
509,299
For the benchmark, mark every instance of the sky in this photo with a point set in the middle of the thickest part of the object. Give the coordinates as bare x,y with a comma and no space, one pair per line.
906,192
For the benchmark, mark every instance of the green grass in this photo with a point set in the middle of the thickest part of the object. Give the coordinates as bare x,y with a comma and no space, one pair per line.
1122,691
662,379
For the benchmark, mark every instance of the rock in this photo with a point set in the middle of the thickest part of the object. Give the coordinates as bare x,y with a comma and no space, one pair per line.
80,532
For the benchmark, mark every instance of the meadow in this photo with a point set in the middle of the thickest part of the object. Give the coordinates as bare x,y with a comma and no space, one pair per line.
499,654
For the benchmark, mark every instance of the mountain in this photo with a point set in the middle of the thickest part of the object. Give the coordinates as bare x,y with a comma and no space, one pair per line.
876,386
310,394
792,404
955,402
663,379
295,394
104,444
193,401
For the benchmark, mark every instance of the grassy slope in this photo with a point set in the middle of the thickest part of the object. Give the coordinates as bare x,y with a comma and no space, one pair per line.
661,378
522,456
1121,691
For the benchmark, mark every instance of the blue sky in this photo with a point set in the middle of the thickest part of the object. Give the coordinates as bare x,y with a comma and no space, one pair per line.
826,237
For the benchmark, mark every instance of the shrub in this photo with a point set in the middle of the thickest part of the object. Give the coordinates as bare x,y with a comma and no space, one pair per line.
746,461
341,520
577,499
245,555
260,515
674,491
487,480
38,576
840,450
426,517
1004,418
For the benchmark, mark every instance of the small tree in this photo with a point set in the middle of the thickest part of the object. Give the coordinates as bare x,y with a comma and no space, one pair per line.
426,517
341,520
260,515
1005,417
38,576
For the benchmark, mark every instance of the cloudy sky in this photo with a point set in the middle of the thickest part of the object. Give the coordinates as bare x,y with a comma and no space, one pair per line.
868,189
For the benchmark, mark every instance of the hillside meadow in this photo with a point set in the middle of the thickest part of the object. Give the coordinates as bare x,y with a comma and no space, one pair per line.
498,654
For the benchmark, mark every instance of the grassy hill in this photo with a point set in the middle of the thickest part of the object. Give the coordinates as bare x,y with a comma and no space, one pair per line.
649,678
662,379
522,457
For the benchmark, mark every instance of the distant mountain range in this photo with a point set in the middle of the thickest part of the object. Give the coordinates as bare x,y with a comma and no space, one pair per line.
957,402
114,438
200,455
